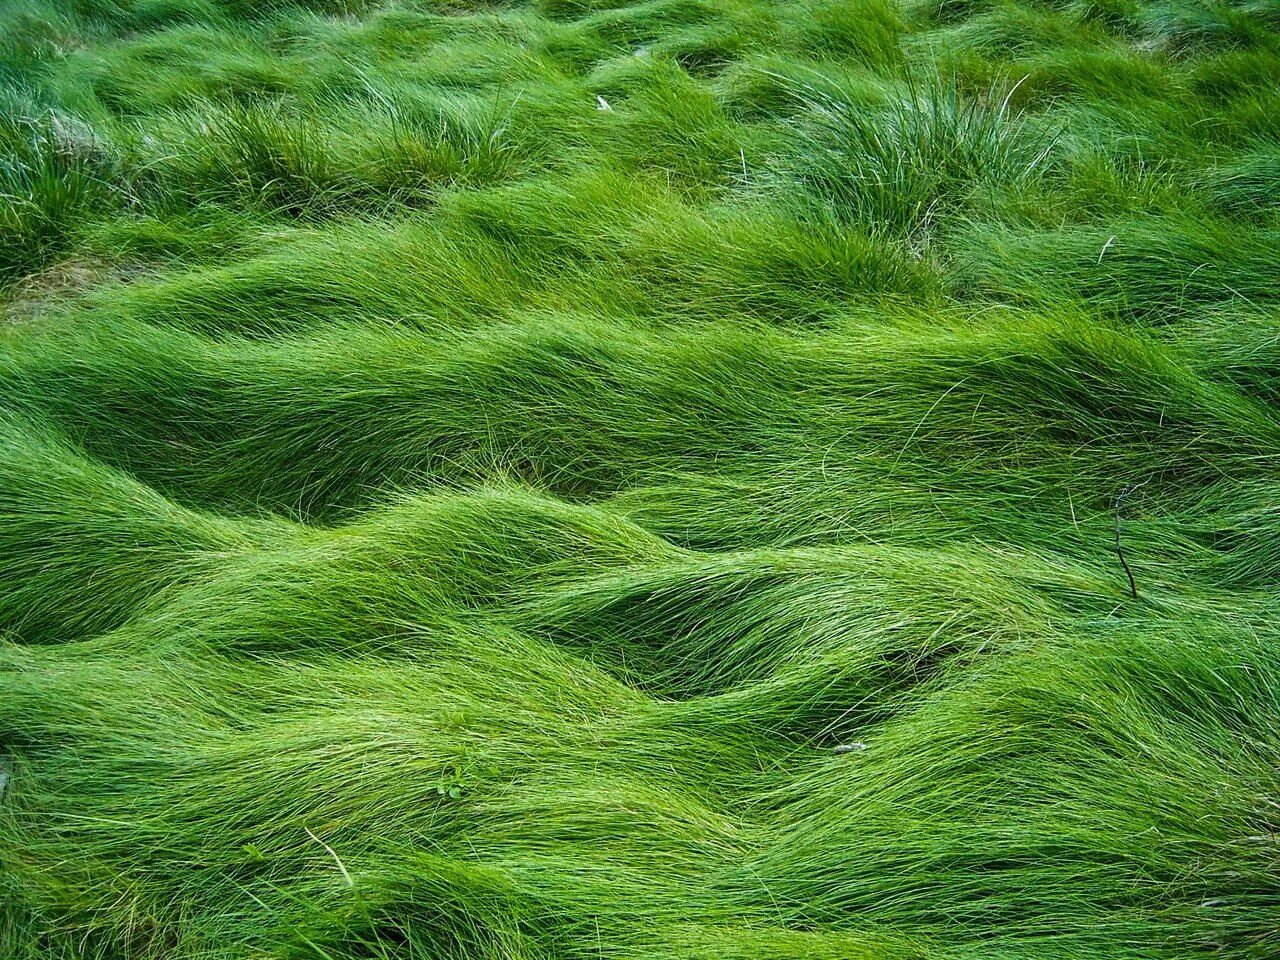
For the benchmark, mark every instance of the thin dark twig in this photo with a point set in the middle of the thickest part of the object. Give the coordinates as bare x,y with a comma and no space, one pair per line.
1120,497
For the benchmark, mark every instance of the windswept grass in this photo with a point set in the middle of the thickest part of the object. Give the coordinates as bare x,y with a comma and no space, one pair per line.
664,480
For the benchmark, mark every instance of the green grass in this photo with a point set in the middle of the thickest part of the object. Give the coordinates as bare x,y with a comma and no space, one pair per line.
593,480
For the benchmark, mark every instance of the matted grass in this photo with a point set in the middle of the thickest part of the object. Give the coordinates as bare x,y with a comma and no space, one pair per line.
590,480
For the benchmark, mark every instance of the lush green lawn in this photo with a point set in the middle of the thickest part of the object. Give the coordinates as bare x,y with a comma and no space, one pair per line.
589,480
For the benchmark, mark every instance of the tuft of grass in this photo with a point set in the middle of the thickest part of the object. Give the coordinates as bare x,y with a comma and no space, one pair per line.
54,175
923,155
268,157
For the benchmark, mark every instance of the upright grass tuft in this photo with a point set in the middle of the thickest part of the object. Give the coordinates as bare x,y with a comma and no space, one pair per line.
54,174
927,153
270,157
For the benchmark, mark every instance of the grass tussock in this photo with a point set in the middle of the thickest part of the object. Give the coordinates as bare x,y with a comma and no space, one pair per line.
54,175
655,480
899,167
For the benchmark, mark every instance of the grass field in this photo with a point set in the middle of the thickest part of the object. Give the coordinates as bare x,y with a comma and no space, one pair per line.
663,480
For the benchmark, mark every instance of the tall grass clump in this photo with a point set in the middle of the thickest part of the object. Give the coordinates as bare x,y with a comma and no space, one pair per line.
54,175
639,479
927,152
329,160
